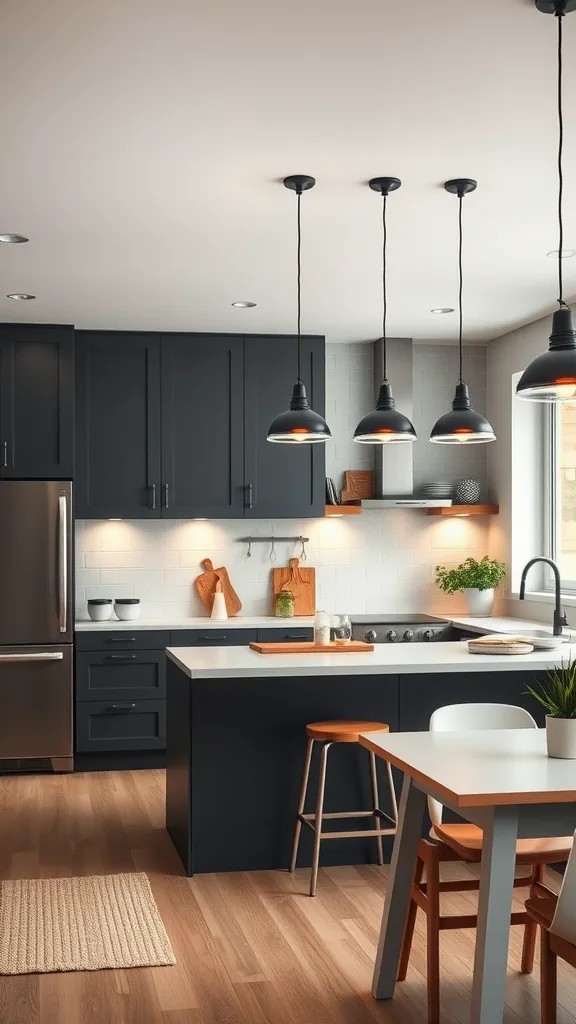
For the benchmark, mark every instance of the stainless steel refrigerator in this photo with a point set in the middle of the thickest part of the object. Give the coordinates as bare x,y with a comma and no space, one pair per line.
36,631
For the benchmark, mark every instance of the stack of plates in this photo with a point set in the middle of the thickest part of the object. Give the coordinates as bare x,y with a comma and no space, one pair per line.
439,489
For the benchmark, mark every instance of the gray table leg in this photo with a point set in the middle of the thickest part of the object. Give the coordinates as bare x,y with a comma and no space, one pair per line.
412,806
494,909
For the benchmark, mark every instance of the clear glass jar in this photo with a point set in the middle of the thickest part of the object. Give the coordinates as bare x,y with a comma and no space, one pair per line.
342,627
321,629
284,608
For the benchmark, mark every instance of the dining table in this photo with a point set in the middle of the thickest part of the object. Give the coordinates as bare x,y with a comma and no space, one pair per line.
499,779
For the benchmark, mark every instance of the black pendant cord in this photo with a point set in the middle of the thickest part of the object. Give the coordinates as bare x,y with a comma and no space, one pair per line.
560,15
384,295
460,278
298,261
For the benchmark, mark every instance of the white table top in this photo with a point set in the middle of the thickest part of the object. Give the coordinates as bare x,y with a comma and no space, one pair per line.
243,663
488,767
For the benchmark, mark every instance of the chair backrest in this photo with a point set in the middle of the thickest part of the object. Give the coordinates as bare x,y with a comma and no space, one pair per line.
564,923
471,717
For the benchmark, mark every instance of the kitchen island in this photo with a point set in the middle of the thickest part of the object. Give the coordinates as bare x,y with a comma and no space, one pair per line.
236,736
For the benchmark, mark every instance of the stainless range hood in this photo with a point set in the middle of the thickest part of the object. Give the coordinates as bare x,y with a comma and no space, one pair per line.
393,463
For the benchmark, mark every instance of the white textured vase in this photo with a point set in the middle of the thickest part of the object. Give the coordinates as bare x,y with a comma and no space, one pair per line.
561,737
479,602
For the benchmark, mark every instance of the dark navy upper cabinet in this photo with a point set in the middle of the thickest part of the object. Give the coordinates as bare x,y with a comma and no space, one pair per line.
202,436
36,401
118,472
282,481
174,426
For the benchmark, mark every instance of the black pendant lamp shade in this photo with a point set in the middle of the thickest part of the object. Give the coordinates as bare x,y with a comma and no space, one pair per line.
299,424
385,425
551,377
463,425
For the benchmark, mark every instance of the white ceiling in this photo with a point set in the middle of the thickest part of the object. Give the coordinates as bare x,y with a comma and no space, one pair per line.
143,143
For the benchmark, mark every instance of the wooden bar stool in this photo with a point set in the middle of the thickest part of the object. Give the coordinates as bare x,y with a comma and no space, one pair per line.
341,732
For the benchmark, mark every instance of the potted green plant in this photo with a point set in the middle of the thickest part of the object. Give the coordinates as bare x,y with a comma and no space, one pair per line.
476,579
558,695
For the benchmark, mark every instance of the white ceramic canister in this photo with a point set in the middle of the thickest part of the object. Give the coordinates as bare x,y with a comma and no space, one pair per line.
100,609
127,608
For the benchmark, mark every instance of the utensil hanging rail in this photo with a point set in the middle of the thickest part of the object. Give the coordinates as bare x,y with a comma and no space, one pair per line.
268,540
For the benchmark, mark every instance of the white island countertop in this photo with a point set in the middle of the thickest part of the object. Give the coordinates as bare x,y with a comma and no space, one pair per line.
394,659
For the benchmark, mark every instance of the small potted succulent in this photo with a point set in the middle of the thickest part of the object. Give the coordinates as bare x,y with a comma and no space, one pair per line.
558,695
476,579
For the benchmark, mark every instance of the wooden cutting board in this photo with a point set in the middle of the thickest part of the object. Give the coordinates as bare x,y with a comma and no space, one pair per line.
309,647
302,583
206,587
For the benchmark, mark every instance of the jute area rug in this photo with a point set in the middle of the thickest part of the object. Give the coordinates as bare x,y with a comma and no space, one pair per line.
80,924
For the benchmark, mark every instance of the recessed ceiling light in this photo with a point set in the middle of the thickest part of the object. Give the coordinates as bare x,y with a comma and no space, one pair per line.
20,296
565,253
442,309
244,304
13,239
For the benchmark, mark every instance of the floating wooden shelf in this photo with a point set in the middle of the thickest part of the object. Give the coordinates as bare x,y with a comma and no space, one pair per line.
465,510
342,510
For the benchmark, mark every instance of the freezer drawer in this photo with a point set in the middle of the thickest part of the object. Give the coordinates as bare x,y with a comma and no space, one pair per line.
36,702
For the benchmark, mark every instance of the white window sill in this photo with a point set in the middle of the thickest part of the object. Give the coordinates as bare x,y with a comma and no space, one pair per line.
547,597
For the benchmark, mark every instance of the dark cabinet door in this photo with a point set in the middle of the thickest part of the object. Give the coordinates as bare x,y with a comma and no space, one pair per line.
120,725
126,676
282,481
202,443
36,401
117,425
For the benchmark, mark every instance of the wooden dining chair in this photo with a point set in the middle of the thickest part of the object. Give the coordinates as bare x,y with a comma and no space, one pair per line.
557,920
463,842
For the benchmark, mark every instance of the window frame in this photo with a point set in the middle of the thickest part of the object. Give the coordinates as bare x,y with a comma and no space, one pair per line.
552,506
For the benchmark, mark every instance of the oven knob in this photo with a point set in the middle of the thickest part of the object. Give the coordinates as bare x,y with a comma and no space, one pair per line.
391,635
427,634
408,635
370,636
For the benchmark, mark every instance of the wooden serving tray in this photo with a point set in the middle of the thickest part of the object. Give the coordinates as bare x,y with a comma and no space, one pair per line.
309,647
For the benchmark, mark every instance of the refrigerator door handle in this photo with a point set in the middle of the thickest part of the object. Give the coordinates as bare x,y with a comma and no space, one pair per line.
39,656
63,563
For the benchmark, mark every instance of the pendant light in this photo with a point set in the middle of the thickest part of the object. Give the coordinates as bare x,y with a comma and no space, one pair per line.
385,425
552,377
463,425
299,424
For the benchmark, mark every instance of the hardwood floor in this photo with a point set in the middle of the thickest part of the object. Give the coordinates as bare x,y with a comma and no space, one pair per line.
251,948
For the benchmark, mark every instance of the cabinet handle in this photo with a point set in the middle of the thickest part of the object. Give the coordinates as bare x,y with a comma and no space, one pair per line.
5,453
122,639
296,636
122,707
250,489
153,489
165,495
213,637
122,657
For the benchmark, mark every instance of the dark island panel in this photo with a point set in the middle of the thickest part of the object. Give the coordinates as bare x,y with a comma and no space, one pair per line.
421,694
235,750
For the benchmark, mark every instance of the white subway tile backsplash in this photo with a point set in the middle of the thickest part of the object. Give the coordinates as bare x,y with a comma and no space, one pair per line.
377,562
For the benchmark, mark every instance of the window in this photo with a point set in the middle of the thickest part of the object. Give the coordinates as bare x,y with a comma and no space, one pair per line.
561,504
